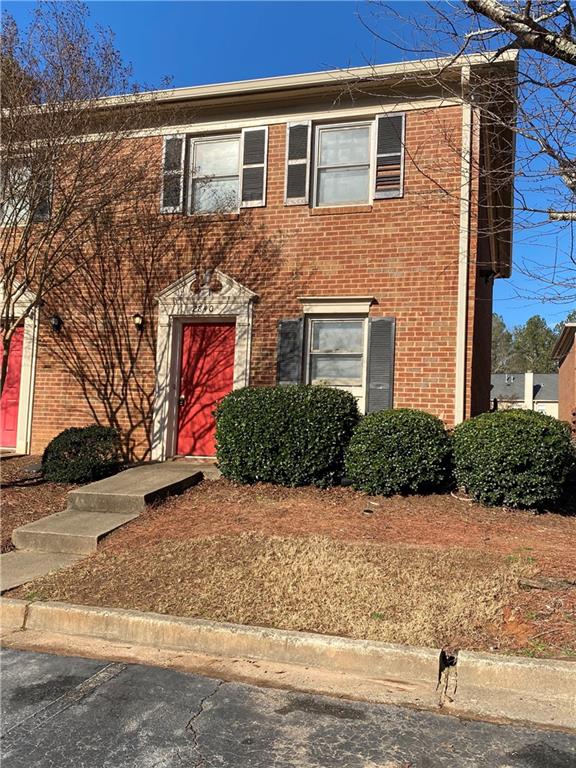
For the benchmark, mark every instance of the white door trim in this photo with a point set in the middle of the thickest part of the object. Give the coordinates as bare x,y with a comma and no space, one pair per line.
177,304
27,373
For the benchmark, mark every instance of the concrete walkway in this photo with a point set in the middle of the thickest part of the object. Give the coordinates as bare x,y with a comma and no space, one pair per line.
94,510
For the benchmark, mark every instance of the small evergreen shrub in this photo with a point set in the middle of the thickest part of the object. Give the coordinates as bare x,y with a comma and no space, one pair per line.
399,451
516,458
82,454
291,435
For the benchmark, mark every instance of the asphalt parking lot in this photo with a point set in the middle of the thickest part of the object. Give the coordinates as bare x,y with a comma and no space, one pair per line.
60,712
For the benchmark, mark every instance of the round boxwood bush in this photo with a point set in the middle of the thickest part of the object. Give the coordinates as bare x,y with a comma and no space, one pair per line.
291,435
515,458
399,451
82,454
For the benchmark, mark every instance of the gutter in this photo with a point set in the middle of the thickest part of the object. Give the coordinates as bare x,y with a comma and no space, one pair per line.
463,254
334,77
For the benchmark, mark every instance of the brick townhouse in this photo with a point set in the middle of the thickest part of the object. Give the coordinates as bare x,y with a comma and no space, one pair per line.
382,282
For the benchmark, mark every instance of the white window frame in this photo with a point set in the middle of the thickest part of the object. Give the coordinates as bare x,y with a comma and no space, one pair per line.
358,390
318,128
193,141
25,213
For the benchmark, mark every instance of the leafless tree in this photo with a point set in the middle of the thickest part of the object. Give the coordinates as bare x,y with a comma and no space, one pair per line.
539,111
81,232
65,166
107,343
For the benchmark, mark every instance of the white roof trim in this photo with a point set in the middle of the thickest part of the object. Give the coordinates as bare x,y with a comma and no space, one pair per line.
336,305
310,79
562,346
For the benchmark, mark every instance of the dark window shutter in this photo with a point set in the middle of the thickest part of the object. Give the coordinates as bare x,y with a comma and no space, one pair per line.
253,175
43,196
172,195
290,350
298,143
389,156
380,376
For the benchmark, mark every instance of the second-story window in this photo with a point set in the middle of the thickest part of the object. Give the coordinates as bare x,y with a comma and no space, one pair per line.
214,174
24,195
343,165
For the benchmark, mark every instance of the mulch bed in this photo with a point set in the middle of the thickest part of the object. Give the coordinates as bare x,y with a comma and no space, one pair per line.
541,622
25,497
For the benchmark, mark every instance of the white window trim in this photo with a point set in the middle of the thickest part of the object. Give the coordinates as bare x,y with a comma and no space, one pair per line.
178,304
338,383
311,352
318,128
338,308
193,141
336,305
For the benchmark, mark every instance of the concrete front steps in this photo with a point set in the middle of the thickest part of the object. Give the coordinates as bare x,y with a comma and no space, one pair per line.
69,532
93,511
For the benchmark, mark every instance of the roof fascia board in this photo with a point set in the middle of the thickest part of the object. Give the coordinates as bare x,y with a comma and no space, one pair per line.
562,346
335,77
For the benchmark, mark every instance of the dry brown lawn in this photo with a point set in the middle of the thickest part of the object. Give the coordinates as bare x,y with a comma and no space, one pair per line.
24,497
391,593
419,569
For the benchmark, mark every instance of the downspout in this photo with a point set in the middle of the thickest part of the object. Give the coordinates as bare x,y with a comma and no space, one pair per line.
463,252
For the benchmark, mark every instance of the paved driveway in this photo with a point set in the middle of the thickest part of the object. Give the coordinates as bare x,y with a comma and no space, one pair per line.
62,712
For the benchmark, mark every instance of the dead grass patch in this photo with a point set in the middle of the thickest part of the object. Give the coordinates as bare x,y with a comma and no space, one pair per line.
25,497
399,594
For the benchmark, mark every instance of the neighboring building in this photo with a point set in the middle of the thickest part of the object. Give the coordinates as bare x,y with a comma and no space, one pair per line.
383,283
532,391
565,352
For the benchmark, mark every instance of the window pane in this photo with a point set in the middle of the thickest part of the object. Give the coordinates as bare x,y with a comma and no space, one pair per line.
343,185
215,195
336,367
338,335
349,146
216,158
15,207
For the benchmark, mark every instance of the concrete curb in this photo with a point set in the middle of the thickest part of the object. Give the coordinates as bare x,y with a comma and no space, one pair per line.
536,690
533,690
12,614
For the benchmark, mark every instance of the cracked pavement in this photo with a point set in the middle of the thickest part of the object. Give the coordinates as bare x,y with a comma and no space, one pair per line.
67,712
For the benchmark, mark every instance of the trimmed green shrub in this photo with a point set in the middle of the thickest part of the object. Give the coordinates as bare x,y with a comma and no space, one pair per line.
82,454
292,435
516,458
399,451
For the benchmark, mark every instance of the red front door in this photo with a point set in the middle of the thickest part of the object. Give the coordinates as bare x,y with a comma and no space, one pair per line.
11,393
206,376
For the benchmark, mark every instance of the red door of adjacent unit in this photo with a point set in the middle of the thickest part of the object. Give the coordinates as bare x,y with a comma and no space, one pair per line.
11,393
206,376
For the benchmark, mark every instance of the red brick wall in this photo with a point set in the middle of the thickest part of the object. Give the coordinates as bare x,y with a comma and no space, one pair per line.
567,386
404,252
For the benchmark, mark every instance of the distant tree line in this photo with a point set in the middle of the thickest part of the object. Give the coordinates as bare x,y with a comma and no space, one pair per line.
526,347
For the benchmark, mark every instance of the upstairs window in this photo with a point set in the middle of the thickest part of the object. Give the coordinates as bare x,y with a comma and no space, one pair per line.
15,189
215,174
24,196
343,165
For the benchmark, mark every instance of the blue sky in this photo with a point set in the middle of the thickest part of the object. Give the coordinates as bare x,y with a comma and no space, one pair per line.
206,42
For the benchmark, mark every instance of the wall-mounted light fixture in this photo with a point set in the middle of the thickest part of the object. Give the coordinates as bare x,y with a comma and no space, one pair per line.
56,322
138,321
